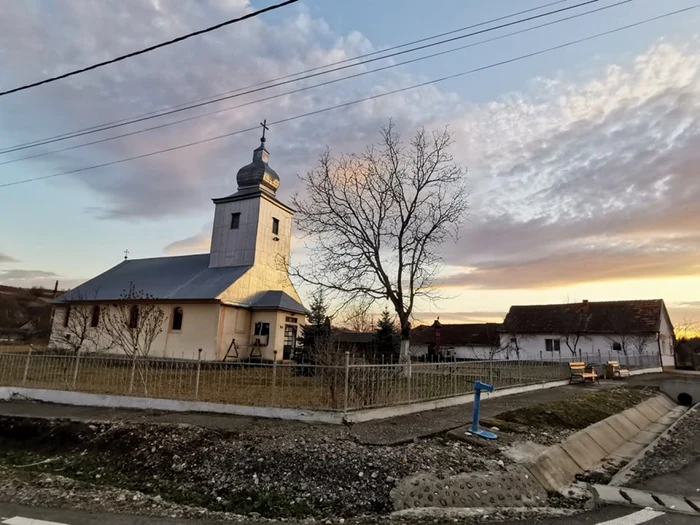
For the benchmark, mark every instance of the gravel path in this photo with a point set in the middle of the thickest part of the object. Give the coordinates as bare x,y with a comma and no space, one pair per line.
678,450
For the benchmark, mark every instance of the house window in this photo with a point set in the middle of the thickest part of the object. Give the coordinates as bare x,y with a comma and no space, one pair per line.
552,345
66,317
617,347
134,317
288,319
275,226
177,318
235,220
95,320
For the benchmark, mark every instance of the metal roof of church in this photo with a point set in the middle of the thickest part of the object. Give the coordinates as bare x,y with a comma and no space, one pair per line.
183,277
278,300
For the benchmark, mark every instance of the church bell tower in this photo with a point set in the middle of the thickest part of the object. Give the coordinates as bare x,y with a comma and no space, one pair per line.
251,227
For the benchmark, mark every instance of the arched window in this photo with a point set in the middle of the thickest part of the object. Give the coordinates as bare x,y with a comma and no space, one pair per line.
66,317
95,320
134,317
177,318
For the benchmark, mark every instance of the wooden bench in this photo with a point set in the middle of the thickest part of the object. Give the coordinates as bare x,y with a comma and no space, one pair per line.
613,370
582,373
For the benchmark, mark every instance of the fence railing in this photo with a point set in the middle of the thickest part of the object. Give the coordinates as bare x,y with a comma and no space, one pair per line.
342,386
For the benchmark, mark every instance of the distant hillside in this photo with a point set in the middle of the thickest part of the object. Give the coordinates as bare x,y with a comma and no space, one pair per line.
25,313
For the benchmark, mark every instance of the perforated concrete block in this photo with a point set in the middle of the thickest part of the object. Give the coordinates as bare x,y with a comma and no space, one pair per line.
512,488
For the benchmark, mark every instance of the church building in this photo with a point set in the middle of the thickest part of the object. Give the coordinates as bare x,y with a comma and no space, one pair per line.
236,302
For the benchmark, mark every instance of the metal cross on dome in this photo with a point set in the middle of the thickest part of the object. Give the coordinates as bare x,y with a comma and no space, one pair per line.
265,128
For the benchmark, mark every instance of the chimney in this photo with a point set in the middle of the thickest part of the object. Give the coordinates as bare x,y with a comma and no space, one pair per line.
585,305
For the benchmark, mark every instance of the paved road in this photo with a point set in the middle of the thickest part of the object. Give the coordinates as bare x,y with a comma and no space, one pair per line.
618,516
11,514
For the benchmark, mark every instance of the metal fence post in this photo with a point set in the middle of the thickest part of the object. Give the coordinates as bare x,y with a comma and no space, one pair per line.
26,365
75,370
347,381
491,372
133,374
274,377
454,374
199,369
520,371
410,379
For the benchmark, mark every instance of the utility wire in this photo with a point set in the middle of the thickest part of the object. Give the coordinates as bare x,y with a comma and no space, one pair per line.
306,88
312,75
147,49
90,128
358,101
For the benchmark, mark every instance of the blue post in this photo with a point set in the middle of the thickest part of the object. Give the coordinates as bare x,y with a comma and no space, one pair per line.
478,387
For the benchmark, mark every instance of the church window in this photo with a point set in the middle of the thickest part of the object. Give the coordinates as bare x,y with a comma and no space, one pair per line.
66,318
235,220
134,317
275,226
177,318
95,319
262,328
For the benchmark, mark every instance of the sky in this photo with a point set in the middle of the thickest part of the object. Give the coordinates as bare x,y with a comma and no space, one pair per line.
582,163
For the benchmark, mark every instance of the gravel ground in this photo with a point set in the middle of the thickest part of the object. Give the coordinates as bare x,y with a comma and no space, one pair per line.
679,449
304,471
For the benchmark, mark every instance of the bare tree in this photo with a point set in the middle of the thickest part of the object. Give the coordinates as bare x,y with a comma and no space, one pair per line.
134,322
357,318
640,341
82,325
575,324
377,220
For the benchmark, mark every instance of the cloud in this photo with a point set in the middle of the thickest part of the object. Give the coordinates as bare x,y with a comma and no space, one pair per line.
183,181
4,258
22,275
586,182
197,243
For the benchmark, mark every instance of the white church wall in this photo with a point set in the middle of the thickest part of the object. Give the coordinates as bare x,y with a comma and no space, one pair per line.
199,330
270,253
267,351
235,247
234,323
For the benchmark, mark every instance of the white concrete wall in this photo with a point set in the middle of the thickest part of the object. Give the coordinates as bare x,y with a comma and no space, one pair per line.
200,323
235,247
460,352
666,342
234,323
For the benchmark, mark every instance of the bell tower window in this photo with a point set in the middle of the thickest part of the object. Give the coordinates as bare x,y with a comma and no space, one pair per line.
275,226
235,220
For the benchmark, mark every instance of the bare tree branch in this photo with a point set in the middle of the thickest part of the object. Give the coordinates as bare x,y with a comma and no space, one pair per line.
377,220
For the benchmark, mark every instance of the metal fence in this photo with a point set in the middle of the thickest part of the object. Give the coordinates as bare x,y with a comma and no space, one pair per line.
345,386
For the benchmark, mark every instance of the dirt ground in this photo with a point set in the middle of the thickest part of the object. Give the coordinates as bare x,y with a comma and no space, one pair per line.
257,467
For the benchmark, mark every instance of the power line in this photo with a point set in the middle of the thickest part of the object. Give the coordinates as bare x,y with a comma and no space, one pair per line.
147,49
358,101
312,75
306,88
90,128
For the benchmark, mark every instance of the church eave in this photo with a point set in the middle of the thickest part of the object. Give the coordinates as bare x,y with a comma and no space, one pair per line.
244,195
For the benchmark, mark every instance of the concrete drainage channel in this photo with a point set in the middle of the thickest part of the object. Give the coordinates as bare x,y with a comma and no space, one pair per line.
608,443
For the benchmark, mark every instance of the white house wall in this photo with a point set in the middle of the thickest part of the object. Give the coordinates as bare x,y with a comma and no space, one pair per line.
460,352
533,346
666,341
